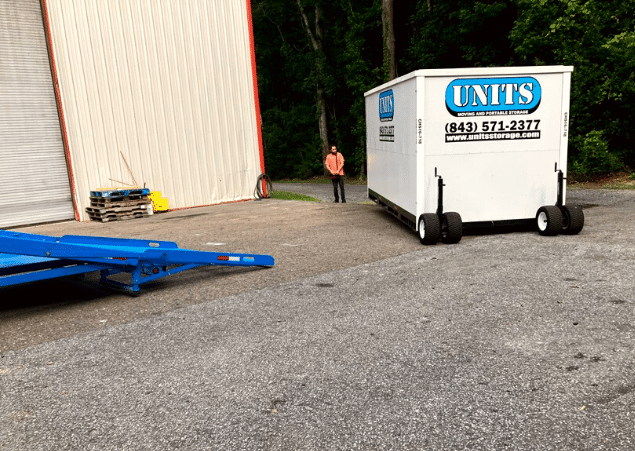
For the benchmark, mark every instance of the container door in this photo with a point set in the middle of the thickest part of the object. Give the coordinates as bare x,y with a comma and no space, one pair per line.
34,181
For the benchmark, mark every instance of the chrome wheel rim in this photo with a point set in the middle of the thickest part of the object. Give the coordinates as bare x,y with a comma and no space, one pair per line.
542,221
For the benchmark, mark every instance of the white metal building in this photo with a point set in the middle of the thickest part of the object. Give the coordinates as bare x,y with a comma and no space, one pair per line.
86,86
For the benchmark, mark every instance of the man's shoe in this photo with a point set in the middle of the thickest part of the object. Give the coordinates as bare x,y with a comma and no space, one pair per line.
336,201
343,201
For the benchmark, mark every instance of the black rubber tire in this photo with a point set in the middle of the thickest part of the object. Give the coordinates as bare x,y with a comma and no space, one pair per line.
549,220
451,227
429,228
572,219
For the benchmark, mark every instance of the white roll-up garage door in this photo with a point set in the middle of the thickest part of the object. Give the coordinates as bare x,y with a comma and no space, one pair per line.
34,180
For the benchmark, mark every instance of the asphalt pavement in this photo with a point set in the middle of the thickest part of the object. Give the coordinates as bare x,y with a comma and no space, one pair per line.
359,339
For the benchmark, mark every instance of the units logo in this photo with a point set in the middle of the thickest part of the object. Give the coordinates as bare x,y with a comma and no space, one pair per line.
386,106
492,96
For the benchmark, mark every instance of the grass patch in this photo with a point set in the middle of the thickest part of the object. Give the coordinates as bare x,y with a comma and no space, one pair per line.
285,195
325,180
619,181
627,185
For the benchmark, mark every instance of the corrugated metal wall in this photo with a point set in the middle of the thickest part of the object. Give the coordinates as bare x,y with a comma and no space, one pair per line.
34,182
166,83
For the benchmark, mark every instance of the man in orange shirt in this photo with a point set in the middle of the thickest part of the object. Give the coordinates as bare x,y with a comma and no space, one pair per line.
335,164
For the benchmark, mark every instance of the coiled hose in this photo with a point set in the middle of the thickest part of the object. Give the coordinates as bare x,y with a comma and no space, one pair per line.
258,194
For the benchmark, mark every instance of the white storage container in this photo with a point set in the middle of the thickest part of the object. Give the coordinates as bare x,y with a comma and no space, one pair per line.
472,147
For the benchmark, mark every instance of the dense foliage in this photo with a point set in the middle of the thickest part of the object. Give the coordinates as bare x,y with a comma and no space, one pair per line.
597,37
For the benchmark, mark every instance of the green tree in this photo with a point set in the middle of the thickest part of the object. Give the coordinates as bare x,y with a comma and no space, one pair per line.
286,84
316,59
360,67
597,38
312,74
315,34
461,33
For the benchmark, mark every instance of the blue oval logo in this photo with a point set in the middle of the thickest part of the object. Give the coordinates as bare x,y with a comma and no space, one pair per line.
386,106
492,96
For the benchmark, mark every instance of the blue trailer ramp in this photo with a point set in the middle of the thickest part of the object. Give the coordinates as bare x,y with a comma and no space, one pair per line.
28,257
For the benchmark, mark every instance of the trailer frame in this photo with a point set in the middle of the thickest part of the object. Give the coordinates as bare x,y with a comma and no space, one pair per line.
26,258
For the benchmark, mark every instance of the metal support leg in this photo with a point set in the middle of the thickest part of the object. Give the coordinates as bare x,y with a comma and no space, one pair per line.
440,201
561,179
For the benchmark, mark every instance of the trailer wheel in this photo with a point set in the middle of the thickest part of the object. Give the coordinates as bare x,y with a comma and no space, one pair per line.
429,228
451,228
572,219
549,220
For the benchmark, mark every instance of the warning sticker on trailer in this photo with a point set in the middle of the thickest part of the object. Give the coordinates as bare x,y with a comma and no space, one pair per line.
228,258
387,133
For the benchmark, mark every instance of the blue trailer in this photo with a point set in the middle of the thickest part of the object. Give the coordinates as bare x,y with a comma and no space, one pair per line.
26,257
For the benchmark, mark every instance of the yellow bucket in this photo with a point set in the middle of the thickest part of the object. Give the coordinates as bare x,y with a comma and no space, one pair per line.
159,203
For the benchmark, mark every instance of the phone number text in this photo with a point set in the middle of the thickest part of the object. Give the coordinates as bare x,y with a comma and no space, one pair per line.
491,126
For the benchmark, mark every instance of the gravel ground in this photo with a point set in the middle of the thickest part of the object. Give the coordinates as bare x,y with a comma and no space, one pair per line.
359,338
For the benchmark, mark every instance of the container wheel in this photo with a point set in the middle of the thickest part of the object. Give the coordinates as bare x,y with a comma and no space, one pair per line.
549,220
572,219
429,228
451,227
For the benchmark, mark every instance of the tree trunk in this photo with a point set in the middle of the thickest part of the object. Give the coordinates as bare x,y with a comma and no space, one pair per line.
362,171
316,36
324,130
390,58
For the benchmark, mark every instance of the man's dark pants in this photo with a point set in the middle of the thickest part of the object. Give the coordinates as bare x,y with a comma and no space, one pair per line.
338,180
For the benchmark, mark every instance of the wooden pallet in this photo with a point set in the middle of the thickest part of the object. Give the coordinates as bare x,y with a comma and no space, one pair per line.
119,208
120,216
104,202
115,209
